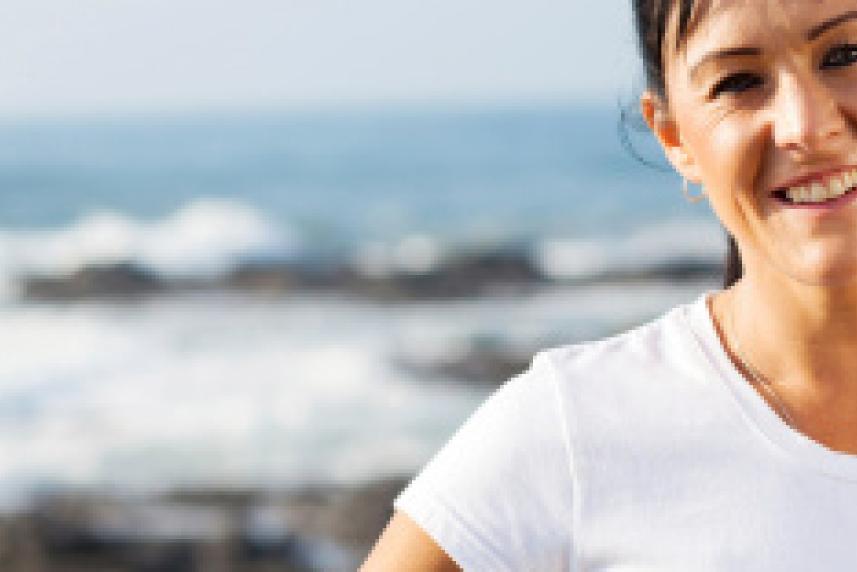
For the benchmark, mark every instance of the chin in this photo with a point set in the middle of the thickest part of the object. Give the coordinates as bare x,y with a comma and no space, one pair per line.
814,263
827,273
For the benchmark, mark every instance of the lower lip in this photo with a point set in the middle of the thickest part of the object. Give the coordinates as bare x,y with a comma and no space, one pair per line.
829,204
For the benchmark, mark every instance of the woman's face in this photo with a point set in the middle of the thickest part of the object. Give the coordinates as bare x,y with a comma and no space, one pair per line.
762,97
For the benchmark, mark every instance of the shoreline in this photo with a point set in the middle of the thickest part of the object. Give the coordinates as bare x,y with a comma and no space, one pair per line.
463,277
316,527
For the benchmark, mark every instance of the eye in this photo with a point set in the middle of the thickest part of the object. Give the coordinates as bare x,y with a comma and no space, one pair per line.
736,83
840,56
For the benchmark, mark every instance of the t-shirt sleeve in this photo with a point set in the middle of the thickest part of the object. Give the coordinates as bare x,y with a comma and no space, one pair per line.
498,495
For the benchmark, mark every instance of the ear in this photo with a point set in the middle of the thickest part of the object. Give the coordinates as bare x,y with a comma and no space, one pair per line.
667,133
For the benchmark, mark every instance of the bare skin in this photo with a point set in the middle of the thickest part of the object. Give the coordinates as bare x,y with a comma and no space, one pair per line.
814,377
788,110
404,547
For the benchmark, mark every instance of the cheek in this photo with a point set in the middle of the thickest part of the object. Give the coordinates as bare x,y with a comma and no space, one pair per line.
738,153
732,159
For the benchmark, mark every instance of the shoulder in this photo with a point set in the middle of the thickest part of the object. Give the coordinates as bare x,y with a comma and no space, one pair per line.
666,348
639,388
497,496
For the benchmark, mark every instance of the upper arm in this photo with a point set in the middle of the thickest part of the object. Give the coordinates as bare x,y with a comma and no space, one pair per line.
498,496
405,547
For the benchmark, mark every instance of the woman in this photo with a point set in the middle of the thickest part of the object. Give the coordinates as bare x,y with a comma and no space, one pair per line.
722,436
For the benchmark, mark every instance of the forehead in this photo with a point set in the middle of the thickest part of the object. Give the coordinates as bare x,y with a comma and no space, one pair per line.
717,23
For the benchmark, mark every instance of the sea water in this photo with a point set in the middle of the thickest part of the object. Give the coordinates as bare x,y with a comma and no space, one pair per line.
216,388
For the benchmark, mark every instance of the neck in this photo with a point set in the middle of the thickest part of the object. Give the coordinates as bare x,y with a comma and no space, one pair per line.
801,337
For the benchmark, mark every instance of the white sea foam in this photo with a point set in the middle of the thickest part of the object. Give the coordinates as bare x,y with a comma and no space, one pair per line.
219,390
413,254
204,391
655,245
205,236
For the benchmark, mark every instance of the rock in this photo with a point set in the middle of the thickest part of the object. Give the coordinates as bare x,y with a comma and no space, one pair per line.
282,278
111,281
677,270
351,516
462,276
485,361
315,528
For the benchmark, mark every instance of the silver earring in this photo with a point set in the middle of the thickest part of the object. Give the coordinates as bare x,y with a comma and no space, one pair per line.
691,197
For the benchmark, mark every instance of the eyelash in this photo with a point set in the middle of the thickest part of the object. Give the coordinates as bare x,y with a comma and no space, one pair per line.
740,82
735,83
848,50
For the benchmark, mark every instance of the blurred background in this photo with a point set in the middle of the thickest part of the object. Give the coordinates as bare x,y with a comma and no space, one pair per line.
259,259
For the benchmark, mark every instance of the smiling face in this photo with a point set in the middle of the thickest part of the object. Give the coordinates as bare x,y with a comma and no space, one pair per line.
762,110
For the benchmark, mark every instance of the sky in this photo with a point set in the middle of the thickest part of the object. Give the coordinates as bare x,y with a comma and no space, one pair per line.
66,58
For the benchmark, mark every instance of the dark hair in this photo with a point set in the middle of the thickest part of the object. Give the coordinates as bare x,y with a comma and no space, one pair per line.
651,18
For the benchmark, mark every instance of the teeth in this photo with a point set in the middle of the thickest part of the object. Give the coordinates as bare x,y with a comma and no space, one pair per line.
818,192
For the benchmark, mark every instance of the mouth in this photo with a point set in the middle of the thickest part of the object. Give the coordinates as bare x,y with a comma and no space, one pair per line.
820,190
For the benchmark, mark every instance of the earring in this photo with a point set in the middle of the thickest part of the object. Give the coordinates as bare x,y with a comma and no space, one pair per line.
691,197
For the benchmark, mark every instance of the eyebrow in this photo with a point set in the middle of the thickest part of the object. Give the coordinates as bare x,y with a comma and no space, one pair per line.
827,24
725,53
811,35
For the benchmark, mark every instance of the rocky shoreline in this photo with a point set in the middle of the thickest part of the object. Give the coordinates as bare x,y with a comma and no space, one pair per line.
465,275
315,528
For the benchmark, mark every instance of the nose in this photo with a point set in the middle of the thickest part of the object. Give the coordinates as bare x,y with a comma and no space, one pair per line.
808,118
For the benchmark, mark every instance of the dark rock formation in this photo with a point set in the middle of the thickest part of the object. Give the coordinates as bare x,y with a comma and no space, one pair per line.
112,281
462,276
677,270
284,278
468,274
485,361
312,529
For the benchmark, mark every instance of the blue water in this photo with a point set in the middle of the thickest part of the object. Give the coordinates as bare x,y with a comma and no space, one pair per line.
336,178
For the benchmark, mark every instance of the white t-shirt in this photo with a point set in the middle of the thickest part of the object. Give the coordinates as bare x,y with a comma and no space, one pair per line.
647,451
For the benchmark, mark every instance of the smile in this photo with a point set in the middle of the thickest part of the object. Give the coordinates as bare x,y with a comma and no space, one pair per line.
824,190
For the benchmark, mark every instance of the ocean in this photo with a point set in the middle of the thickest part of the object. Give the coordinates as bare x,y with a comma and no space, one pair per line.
215,387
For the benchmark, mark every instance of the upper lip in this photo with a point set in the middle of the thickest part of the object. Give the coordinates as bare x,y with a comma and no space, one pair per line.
818,176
